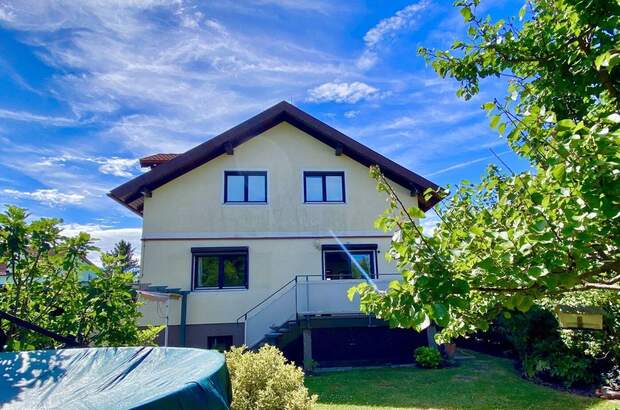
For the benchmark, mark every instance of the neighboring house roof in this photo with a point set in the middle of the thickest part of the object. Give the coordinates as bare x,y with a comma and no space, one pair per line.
131,193
154,160
3,269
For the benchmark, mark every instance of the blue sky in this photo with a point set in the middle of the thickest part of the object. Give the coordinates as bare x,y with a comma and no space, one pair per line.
88,87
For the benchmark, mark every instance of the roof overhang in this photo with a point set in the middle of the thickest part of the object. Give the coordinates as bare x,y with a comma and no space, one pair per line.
131,194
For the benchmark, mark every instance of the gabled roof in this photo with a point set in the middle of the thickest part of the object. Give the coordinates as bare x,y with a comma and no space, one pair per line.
131,193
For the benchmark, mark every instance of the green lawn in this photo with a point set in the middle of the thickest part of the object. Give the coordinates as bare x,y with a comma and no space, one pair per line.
480,382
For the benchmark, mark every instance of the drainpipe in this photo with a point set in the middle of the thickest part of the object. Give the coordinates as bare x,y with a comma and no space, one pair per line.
183,318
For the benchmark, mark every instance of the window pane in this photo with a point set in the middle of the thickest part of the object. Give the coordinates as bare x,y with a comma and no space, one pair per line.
208,268
234,188
314,188
221,343
361,266
256,188
337,265
333,185
234,270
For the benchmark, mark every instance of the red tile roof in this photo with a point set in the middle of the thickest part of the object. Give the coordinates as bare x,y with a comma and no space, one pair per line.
157,159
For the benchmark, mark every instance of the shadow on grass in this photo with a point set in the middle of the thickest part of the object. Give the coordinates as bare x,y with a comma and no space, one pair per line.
479,382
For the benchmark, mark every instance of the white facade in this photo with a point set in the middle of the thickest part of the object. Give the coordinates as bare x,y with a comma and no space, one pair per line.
284,236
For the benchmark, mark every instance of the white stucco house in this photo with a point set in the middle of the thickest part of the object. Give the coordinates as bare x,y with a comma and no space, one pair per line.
262,230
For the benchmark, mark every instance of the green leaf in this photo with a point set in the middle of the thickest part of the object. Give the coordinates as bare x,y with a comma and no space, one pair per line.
351,293
440,314
466,13
488,106
502,128
540,225
565,125
537,198
522,12
495,120
559,171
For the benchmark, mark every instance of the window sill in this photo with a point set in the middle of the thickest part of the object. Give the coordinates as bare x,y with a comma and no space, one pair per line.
245,203
208,290
325,203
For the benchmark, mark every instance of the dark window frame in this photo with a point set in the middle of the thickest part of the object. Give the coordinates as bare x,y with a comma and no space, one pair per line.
323,175
220,252
353,249
211,341
245,175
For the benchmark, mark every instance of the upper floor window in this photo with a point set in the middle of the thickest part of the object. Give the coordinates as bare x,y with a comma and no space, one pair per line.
245,187
324,186
219,268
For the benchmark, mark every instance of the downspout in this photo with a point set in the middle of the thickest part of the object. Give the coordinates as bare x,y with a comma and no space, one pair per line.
183,326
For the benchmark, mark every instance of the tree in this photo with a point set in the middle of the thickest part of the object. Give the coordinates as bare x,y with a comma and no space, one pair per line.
518,238
44,287
124,256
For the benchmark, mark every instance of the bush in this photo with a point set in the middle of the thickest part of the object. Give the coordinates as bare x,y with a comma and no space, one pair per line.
265,380
572,357
427,357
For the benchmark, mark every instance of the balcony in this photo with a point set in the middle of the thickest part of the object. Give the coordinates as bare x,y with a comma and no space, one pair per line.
304,296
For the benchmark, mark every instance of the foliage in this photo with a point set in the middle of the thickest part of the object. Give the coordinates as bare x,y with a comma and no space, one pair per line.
567,356
515,239
427,357
480,382
611,378
124,256
264,380
45,288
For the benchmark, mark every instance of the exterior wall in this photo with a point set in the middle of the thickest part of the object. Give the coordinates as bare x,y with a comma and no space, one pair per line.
197,335
284,237
271,263
192,204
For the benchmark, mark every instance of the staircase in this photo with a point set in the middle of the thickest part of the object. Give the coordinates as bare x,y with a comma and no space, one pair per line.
275,319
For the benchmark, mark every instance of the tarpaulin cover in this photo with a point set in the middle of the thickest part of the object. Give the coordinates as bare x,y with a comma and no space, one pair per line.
115,378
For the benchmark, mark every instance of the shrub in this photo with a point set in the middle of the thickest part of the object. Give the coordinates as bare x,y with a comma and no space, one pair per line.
572,357
265,380
427,357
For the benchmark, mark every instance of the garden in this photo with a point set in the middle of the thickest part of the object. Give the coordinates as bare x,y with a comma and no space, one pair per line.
479,381
508,257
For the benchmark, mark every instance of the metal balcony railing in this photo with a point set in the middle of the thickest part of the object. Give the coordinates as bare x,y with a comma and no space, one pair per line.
304,295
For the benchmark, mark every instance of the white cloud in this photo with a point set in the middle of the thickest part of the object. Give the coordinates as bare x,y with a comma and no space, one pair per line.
119,167
30,117
465,164
351,114
105,237
319,6
342,92
51,197
184,75
388,28
429,223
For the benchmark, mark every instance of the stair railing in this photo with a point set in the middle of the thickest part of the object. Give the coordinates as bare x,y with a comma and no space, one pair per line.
294,298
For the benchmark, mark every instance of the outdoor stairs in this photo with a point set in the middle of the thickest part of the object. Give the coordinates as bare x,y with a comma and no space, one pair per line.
281,335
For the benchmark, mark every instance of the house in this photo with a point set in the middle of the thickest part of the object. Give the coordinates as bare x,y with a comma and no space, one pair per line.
262,230
86,274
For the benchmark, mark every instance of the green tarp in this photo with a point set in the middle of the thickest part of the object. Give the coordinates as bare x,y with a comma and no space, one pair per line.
114,378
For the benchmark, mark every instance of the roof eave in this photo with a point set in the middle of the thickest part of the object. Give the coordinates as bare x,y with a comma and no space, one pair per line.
126,205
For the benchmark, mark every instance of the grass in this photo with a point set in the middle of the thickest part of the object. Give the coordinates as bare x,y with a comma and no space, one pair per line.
479,382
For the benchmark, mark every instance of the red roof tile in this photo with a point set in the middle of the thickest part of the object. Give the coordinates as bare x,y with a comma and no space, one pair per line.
157,159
